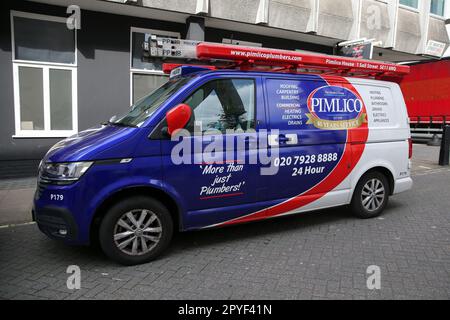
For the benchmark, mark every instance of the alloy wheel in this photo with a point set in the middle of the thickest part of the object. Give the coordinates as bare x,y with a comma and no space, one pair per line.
137,232
373,195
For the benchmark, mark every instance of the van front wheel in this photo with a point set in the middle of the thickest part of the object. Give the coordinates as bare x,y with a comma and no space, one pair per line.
136,230
371,195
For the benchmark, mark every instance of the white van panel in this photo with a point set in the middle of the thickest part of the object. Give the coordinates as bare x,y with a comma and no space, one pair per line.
389,131
386,110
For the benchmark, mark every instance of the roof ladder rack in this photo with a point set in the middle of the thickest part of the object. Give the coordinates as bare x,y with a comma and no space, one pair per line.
224,56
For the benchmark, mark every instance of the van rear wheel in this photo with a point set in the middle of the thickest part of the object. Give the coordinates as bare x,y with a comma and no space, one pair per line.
371,195
136,230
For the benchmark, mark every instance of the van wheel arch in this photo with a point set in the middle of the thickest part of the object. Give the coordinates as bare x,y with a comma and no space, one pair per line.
384,171
120,195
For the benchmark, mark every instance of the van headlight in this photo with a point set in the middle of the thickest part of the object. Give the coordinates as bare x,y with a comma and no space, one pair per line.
64,173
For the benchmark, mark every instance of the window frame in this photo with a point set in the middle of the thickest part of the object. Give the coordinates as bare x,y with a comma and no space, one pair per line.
146,71
410,8
45,67
438,16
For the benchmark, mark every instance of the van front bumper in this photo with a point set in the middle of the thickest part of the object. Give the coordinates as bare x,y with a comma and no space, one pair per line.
402,185
57,223
60,220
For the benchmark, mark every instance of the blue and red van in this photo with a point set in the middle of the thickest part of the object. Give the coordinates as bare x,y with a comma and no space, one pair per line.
219,147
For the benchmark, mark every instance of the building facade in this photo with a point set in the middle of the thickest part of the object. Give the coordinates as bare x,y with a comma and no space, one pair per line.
57,81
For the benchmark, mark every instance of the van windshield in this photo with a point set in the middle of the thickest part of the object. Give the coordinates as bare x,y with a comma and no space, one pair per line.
145,107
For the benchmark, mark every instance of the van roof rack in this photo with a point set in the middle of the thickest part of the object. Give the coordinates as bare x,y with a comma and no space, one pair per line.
224,56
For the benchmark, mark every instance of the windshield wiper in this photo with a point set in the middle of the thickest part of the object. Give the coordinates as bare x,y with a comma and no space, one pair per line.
119,124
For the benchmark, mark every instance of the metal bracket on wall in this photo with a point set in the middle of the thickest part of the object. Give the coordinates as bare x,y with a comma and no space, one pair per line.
202,7
262,16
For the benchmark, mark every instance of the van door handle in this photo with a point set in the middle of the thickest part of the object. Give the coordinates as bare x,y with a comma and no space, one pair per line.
292,139
289,139
285,139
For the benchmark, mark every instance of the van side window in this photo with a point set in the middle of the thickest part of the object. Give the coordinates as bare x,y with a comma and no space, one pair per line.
224,105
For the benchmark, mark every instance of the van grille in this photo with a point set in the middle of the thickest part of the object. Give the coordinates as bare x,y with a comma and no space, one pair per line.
41,186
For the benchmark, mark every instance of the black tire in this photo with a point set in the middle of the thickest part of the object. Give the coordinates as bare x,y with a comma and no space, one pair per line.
109,226
359,204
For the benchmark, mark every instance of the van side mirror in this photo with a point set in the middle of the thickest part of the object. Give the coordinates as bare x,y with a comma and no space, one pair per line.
178,117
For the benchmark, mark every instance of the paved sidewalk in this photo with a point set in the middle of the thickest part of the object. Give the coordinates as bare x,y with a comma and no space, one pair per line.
16,197
425,159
